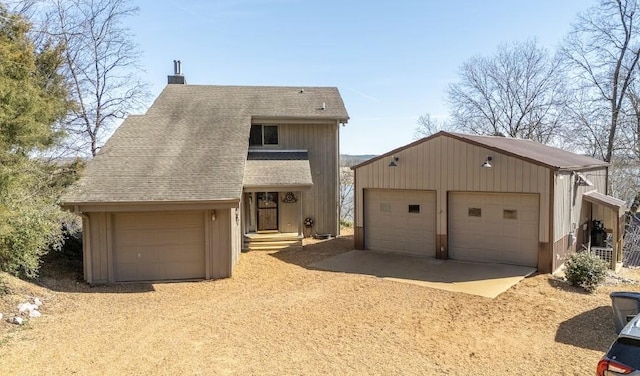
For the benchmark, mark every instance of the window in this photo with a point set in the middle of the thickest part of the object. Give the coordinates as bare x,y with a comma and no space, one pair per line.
261,135
509,214
414,208
475,212
385,207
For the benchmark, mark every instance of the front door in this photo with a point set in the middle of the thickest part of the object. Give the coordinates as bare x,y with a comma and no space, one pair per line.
267,211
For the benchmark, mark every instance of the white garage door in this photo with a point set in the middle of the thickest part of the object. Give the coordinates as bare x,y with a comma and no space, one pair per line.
158,246
400,221
494,227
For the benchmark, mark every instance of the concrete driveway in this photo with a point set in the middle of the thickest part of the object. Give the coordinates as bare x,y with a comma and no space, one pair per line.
483,279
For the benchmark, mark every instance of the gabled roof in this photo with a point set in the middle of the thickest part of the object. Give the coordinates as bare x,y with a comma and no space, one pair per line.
254,101
192,143
534,151
529,150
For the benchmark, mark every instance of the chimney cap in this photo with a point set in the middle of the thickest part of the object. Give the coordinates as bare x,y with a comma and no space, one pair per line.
177,77
177,67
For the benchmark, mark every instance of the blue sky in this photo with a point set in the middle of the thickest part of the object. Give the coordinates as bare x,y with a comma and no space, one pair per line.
391,60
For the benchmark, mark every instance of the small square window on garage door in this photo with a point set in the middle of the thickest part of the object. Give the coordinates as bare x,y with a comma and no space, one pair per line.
475,212
414,208
510,214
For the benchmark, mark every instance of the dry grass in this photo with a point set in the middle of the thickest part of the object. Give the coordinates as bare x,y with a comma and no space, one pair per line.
276,316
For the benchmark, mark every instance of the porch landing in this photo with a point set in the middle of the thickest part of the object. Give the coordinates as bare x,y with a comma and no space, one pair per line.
270,241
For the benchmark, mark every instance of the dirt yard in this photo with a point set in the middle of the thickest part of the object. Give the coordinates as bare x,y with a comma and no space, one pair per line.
276,316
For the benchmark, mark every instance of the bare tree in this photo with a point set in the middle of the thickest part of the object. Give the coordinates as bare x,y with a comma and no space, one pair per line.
101,63
428,126
345,202
518,92
602,49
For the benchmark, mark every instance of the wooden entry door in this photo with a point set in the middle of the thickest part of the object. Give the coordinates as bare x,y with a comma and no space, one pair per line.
267,211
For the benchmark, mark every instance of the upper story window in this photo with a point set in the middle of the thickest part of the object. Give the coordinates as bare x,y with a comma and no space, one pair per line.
263,135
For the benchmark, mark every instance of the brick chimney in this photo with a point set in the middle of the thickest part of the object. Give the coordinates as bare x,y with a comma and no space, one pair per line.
177,77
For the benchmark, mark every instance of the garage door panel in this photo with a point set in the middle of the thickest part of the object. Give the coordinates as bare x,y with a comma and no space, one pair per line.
506,230
391,227
158,246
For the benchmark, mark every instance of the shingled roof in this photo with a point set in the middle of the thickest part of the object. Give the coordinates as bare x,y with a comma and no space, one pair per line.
265,169
192,143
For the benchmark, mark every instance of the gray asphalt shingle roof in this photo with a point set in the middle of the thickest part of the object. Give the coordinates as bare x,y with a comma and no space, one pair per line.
192,143
265,169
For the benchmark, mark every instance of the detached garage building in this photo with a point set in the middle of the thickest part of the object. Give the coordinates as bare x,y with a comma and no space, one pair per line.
484,199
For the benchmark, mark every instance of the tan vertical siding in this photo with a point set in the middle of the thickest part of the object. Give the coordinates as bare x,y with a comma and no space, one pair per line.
568,210
321,140
100,242
288,215
446,164
563,206
236,237
220,246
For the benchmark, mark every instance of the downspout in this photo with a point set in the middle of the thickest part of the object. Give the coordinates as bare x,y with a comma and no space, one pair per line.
86,244
337,188
572,235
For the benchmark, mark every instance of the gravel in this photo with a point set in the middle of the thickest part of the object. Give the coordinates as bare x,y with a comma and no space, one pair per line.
278,316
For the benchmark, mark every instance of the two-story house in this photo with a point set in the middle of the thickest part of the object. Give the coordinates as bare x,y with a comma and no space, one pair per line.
177,193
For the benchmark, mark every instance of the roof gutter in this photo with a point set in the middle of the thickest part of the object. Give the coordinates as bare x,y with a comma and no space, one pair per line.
119,206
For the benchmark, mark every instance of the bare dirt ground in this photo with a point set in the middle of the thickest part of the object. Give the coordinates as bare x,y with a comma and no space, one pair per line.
277,316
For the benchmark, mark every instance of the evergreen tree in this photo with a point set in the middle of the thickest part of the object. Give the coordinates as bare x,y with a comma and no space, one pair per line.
33,98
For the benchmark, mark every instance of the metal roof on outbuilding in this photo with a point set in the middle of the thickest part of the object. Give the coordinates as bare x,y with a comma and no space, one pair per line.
529,150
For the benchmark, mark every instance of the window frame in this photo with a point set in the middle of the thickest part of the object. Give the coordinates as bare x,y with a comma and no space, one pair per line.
262,143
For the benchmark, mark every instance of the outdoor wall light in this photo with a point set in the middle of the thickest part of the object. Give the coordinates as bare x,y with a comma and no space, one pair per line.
487,162
213,215
393,163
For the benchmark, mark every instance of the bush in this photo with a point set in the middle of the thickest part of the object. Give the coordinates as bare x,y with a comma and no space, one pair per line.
345,223
585,270
31,221
4,287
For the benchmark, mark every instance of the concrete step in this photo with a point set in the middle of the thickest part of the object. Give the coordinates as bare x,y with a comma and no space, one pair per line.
264,245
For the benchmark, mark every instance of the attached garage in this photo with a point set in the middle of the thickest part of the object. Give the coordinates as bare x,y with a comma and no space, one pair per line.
158,246
400,221
494,227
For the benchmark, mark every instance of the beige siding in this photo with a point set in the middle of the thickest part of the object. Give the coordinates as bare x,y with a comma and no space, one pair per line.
288,214
446,164
220,244
98,267
236,237
569,214
321,140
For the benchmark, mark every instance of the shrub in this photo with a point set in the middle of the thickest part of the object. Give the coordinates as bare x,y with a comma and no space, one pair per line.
31,221
4,287
585,270
345,223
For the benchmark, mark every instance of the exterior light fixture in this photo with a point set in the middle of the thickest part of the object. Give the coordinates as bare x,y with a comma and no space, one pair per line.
393,163
487,162
213,215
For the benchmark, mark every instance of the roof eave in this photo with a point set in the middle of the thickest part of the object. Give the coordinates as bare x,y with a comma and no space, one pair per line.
578,168
341,119
73,204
